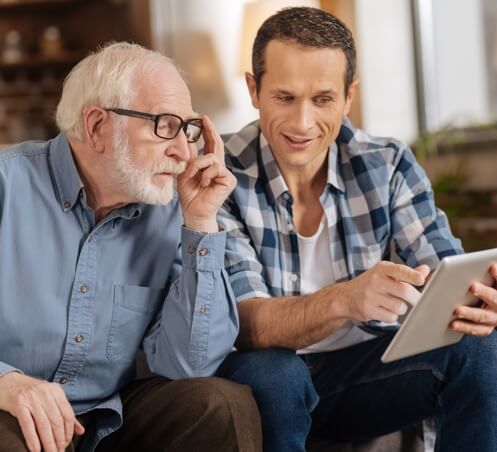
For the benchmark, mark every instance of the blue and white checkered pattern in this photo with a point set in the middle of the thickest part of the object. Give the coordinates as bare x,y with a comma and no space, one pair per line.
377,201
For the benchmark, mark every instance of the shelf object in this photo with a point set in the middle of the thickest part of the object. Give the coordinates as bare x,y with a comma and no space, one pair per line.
41,40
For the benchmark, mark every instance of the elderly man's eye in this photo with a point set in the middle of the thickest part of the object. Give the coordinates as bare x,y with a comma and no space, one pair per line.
168,123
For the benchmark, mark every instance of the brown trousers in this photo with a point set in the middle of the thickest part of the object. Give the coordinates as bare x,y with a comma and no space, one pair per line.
197,414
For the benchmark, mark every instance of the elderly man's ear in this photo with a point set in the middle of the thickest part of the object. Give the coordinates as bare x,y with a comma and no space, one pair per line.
97,128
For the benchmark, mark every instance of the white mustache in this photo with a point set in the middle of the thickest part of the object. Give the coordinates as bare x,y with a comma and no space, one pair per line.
169,166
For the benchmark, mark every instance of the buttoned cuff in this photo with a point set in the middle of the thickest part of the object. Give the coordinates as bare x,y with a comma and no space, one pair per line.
203,252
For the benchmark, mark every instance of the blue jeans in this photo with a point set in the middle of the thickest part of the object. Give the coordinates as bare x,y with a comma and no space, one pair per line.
349,394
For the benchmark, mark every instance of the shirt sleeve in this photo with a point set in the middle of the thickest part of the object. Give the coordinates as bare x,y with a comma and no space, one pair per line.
6,368
420,230
199,321
245,270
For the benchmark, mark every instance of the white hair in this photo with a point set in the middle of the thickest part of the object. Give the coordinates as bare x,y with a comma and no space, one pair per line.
105,79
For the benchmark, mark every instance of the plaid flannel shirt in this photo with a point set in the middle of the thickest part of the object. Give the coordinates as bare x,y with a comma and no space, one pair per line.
377,200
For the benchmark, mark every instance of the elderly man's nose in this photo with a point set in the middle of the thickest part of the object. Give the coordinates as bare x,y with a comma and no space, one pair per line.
179,148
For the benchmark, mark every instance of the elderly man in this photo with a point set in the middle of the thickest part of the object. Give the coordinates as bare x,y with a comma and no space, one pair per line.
100,257
318,207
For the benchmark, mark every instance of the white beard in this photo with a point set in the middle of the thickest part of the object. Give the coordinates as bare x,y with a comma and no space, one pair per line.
137,182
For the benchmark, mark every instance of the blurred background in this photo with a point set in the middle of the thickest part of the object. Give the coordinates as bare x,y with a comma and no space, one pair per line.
428,73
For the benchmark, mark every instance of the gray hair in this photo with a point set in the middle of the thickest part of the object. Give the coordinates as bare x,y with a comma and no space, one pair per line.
105,79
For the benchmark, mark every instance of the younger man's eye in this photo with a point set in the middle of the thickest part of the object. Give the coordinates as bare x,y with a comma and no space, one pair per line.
322,100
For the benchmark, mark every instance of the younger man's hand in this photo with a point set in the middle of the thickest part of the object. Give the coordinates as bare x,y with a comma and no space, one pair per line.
479,321
383,292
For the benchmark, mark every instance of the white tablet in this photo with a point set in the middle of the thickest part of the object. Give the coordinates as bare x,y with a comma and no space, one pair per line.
426,327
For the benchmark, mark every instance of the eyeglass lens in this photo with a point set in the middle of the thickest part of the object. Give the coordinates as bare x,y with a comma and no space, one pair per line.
168,126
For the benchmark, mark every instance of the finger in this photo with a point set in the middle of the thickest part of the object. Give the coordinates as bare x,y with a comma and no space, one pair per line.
56,420
78,428
485,293
213,172
387,307
382,314
402,290
481,316
213,142
67,415
226,179
402,272
28,429
199,163
44,429
393,305
493,271
424,270
471,328
193,150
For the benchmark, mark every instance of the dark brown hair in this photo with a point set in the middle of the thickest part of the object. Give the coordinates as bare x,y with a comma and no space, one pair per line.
308,27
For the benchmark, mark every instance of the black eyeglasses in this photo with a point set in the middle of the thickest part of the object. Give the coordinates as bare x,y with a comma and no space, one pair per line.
167,125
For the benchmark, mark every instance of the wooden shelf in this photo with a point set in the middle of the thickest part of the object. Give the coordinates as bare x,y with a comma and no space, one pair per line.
31,84
8,94
34,61
20,4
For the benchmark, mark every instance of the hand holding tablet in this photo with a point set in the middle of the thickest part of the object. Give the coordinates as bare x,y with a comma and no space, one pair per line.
427,326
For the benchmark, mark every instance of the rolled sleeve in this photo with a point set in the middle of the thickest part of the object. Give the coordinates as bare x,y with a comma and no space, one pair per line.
245,270
421,231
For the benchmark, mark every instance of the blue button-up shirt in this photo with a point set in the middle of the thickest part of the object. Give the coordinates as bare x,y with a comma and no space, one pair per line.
377,200
77,299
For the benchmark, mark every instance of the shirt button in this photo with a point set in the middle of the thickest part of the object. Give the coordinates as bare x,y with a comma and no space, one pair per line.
67,205
203,251
203,308
84,288
79,338
63,380
191,249
293,277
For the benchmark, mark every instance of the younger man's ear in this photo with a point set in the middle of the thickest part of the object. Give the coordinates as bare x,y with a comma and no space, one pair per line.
96,126
252,87
351,92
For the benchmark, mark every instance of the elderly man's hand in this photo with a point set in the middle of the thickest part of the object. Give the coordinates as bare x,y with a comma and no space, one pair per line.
206,182
479,321
44,414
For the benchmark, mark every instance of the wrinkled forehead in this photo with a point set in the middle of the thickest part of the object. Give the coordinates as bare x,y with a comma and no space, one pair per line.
162,90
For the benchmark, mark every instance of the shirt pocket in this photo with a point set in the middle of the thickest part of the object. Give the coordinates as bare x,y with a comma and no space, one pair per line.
133,309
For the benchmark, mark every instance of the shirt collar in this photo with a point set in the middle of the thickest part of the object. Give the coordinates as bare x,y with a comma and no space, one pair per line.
68,182
276,185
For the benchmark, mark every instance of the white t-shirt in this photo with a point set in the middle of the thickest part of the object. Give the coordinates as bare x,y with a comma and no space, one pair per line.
316,272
